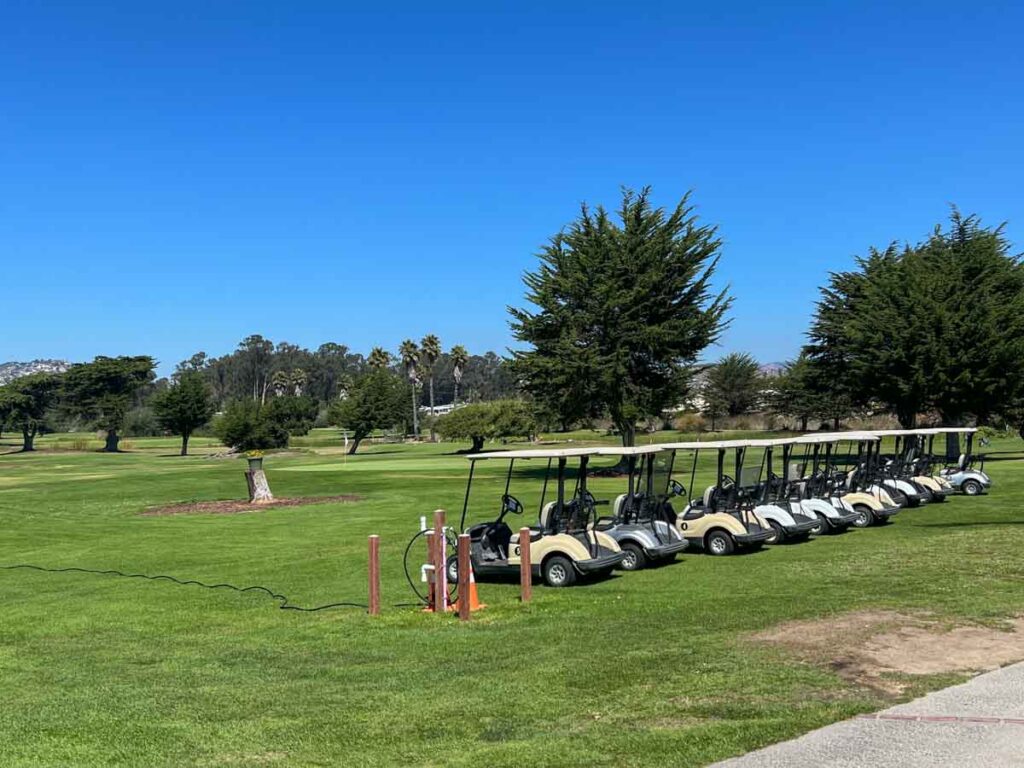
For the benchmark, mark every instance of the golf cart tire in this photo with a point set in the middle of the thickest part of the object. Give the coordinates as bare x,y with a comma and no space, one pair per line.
452,569
558,571
780,533
971,487
635,559
867,517
719,543
823,528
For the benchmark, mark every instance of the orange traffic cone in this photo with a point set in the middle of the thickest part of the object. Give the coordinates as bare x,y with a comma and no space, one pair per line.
474,598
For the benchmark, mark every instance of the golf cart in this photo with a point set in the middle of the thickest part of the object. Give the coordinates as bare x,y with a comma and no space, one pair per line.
890,472
564,543
806,486
722,520
774,502
962,475
908,464
638,521
853,478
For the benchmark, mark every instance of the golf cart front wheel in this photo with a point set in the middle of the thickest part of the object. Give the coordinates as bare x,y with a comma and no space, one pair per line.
971,488
778,535
719,543
452,569
634,558
558,571
864,516
821,526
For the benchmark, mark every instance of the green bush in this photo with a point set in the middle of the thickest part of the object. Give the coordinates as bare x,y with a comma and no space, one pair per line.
141,422
487,421
294,414
244,426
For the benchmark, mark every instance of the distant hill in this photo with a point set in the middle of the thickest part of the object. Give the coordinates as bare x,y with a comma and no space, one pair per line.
11,371
772,369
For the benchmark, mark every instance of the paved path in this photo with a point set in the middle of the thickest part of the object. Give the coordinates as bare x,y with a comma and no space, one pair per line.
979,724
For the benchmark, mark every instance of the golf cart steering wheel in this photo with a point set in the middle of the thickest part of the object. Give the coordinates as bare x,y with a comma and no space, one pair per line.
676,488
727,481
511,504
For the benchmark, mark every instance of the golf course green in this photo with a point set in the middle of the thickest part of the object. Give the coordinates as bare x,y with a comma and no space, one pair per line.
654,668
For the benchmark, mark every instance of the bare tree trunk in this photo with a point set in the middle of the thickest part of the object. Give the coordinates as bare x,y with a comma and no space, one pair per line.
478,444
111,442
28,437
455,397
259,488
356,439
803,423
415,414
433,436
184,444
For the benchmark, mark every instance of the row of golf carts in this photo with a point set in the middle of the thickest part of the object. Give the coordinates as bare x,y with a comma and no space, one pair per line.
765,492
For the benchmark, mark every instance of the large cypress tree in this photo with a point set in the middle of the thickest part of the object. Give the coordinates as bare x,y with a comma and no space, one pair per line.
621,310
939,325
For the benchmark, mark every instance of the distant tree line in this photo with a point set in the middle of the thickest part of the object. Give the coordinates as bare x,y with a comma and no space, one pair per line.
254,398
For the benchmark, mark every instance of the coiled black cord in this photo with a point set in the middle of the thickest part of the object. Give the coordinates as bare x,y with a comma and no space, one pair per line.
285,605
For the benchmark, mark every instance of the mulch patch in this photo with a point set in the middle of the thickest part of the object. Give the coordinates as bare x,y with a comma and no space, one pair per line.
240,507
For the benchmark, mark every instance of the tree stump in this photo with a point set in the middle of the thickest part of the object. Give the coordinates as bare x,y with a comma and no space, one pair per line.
259,488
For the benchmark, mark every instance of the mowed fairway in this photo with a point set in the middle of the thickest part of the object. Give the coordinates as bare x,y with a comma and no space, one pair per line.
653,668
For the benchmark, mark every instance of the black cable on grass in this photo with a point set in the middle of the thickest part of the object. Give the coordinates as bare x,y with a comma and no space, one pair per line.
282,599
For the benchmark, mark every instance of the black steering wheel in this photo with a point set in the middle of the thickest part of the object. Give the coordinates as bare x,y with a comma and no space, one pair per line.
676,488
511,504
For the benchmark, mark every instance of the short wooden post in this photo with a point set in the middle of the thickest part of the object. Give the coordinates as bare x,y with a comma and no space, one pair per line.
440,580
525,567
464,572
374,575
431,576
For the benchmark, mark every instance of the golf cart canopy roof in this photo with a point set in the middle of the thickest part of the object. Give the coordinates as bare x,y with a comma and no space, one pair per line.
944,430
633,450
724,444
833,437
551,453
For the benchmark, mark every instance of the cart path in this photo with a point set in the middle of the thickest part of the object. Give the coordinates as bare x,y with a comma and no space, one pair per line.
977,724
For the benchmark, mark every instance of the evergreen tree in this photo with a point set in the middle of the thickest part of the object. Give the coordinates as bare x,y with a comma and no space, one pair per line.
185,406
621,311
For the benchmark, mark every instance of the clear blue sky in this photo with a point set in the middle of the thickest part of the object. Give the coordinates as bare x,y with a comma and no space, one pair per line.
175,176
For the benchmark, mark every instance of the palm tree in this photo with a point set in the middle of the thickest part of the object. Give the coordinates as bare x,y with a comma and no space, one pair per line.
379,358
410,355
459,357
430,350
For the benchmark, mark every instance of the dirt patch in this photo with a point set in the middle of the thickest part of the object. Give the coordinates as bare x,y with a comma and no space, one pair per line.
240,507
875,648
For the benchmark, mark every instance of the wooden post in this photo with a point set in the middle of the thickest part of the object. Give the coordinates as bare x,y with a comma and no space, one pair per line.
431,577
464,571
525,567
374,575
440,574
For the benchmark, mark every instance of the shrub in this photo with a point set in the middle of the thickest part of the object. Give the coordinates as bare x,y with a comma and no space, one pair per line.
141,422
244,426
296,415
689,422
486,421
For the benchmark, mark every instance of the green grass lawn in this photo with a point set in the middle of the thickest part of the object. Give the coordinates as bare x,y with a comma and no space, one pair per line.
653,668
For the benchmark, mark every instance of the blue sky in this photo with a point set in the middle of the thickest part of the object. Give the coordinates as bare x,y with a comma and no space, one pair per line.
176,176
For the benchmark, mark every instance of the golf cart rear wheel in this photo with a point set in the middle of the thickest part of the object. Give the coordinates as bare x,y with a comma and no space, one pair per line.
452,569
634,558
558,571
864,516
719,543
971,488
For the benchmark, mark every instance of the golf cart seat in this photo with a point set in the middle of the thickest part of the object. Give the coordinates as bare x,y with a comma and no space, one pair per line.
494,538
620,500
545,515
